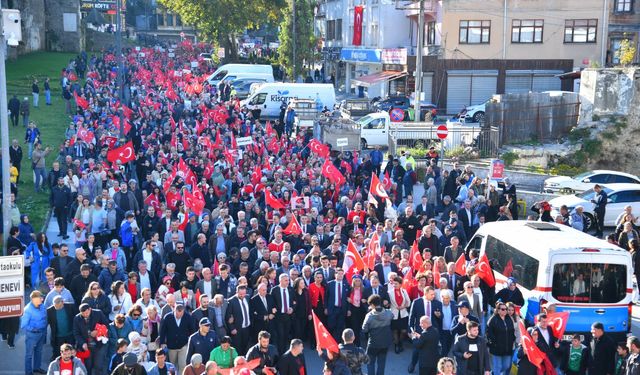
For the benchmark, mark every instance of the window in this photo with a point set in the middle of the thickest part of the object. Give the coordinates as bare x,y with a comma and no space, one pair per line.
169,19
623,6
526,31
622,180
597,179
338,31
178,20
374,34
475,32
160,19
376,124
615,49
431,33
331,24
511,262
628,196
589,282
259,99
580,31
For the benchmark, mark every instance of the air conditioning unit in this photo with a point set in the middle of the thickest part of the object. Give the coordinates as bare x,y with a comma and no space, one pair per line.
12,26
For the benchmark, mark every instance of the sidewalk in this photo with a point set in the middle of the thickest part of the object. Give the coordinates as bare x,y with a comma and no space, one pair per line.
52,234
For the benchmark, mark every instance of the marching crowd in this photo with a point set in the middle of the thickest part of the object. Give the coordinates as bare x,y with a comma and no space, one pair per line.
190,254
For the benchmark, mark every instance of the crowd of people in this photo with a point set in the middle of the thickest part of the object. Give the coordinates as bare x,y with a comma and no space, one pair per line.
180,252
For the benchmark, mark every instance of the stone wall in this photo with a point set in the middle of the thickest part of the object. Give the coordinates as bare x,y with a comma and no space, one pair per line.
607,92
58,38
32,13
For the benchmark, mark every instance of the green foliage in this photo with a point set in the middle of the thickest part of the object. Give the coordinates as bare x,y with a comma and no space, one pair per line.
535,168
221,20
578,134
595,117
455,152
305,40
627,52
417,153
566,170
610,135
509,158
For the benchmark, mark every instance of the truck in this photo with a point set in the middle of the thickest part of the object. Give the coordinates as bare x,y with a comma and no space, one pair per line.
356,108
377,129
306,113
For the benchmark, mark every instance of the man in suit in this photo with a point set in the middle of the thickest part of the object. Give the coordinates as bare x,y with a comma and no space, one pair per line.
238,319
60,319
175,329
385,267
335,302
207,285
428,306
472,299
219,242
454,281
376,288
262,311
292,361
282,297
465,214
305,226
426,342
453,251
327,271
547,342
324,240
219,306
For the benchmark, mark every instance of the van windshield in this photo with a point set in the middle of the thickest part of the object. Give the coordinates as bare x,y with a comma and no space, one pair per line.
589,282
220,75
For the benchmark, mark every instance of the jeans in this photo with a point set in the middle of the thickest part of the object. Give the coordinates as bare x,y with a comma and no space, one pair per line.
61,218
47,96
379,355
97,364
30,144
34,341
36,99
501,364
25,120
41,178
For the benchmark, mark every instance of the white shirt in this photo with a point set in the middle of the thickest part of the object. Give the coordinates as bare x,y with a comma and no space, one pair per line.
545,334
148,257
207,288
145,281
470,299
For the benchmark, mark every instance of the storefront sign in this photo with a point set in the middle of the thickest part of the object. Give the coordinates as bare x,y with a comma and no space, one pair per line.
11,286
497,169
361,55
11,307
394,56
100,5
331,53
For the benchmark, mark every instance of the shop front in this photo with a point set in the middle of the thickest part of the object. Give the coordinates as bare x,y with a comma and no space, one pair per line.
374,72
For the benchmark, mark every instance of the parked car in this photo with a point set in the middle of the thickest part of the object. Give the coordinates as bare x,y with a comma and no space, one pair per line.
404,103
586,180
243,86
473,113
619,196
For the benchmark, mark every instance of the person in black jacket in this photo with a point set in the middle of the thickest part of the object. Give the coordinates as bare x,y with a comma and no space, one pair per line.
60,200
60,310
427,342
14,108
84,327
501,337
175,329
603,352
292,361
548,343
267,353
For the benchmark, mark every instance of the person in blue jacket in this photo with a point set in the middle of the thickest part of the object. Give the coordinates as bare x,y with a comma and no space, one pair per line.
39,255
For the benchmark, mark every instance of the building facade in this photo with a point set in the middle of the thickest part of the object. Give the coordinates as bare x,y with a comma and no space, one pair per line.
624,23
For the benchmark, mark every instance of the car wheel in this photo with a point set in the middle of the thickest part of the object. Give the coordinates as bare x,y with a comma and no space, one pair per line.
589,221
478,117
363,144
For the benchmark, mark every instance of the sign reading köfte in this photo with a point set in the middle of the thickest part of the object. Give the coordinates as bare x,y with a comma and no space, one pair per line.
11,307
101,5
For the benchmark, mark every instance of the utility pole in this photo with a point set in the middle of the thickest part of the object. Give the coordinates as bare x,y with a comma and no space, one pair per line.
418,73
120,76
4,132
293,33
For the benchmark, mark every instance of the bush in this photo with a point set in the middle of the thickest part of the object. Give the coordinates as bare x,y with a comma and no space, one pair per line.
455,152
417,153
566,170
510,157
578,134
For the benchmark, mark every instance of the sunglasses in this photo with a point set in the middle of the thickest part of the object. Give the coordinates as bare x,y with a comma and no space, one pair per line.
95,288
136,315
502,309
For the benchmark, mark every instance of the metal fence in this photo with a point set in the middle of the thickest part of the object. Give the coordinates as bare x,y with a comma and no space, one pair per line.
485,140
535,117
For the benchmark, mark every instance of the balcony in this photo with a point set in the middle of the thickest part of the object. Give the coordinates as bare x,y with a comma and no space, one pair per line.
411,8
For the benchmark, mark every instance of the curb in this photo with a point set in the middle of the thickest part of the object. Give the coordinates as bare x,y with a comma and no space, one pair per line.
46,221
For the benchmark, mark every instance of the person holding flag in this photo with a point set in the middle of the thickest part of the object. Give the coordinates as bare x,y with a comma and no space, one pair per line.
531,358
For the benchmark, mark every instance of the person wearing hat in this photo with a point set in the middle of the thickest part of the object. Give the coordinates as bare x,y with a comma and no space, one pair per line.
511,293
60,319
202,341
459,323
84,331
34,325
129,366
65,362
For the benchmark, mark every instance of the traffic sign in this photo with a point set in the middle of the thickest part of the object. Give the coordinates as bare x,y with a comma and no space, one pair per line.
397,114
182,34
11,286
442,131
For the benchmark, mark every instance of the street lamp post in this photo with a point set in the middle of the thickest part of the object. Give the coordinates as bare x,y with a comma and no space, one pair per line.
119,60
418,74
293,27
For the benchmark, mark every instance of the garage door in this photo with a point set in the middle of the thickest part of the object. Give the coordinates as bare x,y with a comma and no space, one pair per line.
469,87
546,83
517,82
523,81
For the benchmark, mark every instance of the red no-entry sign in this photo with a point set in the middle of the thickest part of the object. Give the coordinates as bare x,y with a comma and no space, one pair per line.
442,131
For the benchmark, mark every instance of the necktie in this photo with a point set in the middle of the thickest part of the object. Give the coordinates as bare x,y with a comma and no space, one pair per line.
428,309
375,291
285,303
264,302
245,314
339,294
320,238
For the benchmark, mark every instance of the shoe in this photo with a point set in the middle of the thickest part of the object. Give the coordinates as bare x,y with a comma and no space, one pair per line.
400,348
65,237
12,346
411,369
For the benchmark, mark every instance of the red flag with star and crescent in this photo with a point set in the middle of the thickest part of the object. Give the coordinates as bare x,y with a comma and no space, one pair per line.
461,265
558,323
332,173
152,200
353,262
323,337
376,187
272,201
80,101
415,258
124,153
293,227
386,181
483,268
319,148
534,354
193,203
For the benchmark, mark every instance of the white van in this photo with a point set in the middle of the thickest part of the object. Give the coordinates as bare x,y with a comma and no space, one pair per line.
234,69
269,96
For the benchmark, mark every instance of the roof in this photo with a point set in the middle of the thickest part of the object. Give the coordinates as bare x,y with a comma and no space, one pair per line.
519,232
614,172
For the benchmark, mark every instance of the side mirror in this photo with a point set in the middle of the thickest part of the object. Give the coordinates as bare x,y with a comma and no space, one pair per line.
587,180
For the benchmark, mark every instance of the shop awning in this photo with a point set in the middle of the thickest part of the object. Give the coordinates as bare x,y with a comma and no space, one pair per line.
372,79
569,75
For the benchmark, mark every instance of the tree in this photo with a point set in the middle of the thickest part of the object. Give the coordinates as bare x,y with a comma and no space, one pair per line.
305,40
222,20
627,52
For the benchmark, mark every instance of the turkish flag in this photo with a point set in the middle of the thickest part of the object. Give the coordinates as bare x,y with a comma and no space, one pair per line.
152,201
256,176
408,282
485,272
319,148
372,250
461,265
270,132
558,323
110,141
193,203
386,181
353,263
218,143
184,223
323,337
415,258
534,354
508,269
124,153
436,278
357,25
81,102
293,227
273,145
332,173
376,187
127,111
85,135
172,199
